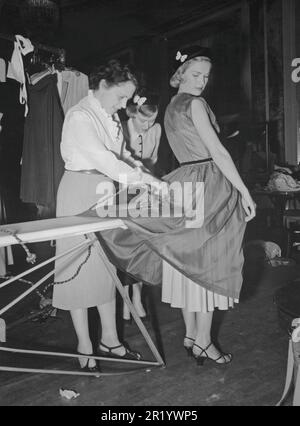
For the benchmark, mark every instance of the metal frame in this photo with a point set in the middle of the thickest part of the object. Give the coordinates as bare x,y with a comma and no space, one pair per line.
293,367
91,240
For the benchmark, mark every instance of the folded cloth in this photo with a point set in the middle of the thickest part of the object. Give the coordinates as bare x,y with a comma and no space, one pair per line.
272,250
2,71
282,182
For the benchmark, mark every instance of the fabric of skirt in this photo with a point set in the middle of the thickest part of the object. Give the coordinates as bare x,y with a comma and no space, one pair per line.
93,286
209,254
177,289
181,292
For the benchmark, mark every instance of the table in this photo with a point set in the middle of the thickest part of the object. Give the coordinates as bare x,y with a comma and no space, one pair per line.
279,200
53,229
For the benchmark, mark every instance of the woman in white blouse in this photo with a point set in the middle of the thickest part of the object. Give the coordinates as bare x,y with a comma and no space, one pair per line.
142,135
93,151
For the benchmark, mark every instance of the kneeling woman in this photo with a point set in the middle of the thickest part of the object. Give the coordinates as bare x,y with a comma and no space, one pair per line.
142,135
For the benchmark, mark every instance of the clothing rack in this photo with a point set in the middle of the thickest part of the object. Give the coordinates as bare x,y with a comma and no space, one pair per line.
60,53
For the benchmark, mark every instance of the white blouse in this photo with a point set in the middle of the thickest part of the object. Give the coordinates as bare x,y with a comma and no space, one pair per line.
93,139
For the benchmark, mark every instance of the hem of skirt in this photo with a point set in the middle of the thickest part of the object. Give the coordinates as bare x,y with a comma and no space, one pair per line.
71,308
230,294
236,302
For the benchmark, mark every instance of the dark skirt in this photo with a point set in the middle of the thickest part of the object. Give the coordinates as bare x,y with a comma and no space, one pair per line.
210,255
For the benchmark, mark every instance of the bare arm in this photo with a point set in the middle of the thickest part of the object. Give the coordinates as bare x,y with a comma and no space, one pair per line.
219,154
157,142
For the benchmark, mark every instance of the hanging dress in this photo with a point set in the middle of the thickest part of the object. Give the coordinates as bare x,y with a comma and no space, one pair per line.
42,165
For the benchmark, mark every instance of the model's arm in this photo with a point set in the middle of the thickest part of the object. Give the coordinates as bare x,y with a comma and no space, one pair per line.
127,156
220,155
154,154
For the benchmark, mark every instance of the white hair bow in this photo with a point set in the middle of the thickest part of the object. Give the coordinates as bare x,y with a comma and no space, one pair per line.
139,101
180,57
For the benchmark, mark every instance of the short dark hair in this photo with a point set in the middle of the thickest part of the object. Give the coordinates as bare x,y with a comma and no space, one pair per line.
113,73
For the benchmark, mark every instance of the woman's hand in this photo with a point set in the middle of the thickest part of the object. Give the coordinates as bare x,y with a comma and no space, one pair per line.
155,183
159,187
249,206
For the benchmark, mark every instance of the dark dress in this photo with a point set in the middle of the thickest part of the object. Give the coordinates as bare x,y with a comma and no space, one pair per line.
218,254
42,165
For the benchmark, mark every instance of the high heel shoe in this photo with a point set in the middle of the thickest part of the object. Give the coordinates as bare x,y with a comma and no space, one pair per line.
189,349
200,359
129,354
86,368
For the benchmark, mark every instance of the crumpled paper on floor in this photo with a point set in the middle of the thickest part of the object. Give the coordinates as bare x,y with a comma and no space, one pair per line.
68,394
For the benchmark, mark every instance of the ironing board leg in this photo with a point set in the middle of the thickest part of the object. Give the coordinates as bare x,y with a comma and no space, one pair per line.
159,361
296,400
111,270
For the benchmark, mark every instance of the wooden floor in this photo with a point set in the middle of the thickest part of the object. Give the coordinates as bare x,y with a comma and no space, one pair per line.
251,332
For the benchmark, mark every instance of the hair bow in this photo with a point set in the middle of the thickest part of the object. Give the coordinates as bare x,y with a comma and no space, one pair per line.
180,57
139,101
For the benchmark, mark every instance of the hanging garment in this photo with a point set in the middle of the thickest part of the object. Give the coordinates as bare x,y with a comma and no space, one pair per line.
42,165
2,71
74,87
2,80
6,255
16,71
11,138
6,49
2,262
59,82
11,141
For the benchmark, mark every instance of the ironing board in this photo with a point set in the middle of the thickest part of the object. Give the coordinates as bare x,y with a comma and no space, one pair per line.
53,229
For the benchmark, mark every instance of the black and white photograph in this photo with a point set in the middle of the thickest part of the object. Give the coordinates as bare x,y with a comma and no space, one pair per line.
149,206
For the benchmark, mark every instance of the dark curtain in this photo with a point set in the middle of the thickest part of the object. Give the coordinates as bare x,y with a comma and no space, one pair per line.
11,140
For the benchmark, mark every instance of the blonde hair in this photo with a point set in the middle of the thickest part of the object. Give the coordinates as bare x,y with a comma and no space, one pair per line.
176,78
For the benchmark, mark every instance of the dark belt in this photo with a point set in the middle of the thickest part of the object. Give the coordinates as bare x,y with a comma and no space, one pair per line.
189,163
87,172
